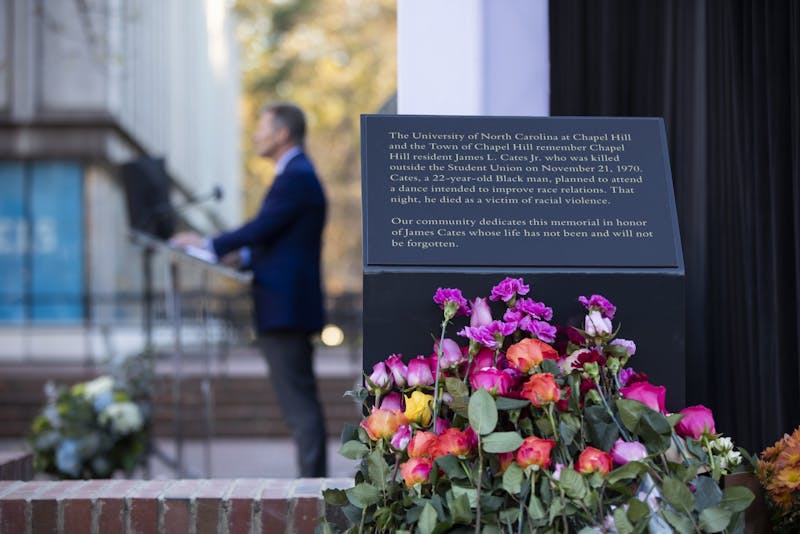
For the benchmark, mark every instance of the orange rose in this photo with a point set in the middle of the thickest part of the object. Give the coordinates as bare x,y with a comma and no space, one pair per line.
592,459
416,470
529,353
454,441
541,389
383,423
420,445
505,459
535,451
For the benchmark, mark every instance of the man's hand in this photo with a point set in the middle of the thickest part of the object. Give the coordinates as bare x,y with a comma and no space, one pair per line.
187,239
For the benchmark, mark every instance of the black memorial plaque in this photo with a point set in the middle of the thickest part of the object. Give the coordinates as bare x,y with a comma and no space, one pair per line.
574,205
516,191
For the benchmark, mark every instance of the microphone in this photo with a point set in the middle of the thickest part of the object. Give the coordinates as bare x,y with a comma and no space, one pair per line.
167,211
215,194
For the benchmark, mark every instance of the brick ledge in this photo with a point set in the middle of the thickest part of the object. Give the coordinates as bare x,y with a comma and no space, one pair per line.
257,506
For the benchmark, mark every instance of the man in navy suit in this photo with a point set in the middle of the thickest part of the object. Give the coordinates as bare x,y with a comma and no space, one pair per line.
282,246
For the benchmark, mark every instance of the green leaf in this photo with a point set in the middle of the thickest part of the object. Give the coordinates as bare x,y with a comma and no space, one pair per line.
363,495
451,466
637,510
498,442
427,519
626,472
349,432
470,493
535,508
566,432
621,521
377,468
456,387
504,403
335,497
555,509
674,419
482,412
707,493
655,430
509,516
353,449
512,479
715,519
679,522
573,484
459,508
736,498
678,495
629,412
550,366
600,428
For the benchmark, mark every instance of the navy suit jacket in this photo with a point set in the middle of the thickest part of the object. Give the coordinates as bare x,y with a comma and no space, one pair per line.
285,239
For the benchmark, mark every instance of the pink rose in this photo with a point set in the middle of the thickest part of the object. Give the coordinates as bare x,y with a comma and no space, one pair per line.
380,380
491,379
401,437
419,372
697,420
627,451
398,369
451,353
481,313
646,393
393,401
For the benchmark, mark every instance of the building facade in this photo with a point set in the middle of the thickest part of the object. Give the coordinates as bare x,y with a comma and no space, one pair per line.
86,86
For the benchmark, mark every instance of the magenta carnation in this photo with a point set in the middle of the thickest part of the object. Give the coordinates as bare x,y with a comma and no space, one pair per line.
451,300
536,309
508,289
599,303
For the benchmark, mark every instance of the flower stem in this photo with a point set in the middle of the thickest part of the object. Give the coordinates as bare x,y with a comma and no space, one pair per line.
478,487
436,380
610,413
710,457
556,437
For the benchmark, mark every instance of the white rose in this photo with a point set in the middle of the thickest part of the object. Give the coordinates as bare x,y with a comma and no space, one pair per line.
125,417
597,325
99,385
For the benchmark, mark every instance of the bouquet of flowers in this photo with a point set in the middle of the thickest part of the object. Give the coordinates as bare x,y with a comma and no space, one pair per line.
524,427
779,473
89,430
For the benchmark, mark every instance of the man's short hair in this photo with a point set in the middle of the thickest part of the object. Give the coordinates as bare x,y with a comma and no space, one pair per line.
291,117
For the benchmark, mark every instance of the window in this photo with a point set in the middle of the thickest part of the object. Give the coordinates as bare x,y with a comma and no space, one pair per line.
41,242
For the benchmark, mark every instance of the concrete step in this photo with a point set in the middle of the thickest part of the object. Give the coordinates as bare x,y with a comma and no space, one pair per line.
241,401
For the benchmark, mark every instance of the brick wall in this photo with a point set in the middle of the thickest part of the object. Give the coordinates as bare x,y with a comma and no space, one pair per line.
247,506
16,466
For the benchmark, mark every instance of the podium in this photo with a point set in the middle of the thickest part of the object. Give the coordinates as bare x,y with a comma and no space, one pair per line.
176,261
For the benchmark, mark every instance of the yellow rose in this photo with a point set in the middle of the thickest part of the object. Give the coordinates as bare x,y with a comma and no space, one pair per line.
418,408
